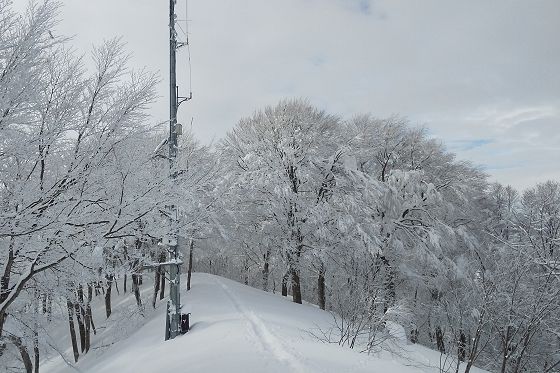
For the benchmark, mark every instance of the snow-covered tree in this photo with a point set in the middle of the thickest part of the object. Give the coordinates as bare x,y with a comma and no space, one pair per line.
69,179
278,159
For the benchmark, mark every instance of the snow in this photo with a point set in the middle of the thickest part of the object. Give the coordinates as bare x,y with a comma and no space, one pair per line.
236,328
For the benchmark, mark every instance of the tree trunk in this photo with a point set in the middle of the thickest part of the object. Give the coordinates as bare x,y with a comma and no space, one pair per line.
285,284
389,282
5,283
72,330
81,327
136,289
36,349
108,295
414,331
44,303
473,353
439,340
506,346
162,285
137,276
294,269
126,265
36,331
137,268
462,346
157,279
49,307
3,316
246,271
87,325
414,335
23,352
88,308
80,317
189,271
266,270
296,286
321,287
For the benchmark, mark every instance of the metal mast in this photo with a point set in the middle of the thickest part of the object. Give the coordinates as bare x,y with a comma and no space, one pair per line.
173,318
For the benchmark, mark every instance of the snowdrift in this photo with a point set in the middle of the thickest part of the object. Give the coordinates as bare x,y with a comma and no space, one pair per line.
236,328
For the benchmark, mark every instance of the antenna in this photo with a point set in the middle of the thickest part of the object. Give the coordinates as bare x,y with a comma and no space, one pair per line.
173,315
175,322
181,44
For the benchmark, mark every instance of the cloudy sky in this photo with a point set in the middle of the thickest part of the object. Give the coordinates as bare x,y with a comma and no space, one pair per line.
484,76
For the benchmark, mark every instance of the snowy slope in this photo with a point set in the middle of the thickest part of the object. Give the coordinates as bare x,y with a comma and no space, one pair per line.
236,328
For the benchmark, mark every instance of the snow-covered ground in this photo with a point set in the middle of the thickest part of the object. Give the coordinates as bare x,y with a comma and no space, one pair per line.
236,328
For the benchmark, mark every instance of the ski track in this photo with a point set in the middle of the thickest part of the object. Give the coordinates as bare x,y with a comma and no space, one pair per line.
268,341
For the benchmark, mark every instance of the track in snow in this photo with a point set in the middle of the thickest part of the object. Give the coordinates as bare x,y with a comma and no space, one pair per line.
268,341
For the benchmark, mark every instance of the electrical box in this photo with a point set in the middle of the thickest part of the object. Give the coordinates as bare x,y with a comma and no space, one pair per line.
185,323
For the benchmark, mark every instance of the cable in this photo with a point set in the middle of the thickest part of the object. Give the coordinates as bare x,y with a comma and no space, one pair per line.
188,45
190,68
187,18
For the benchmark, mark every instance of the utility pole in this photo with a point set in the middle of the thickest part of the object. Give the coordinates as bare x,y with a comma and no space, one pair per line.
173,318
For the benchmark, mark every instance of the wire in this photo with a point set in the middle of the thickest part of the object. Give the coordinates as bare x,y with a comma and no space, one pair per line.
190,68
188,45
185,31
181,27
187,18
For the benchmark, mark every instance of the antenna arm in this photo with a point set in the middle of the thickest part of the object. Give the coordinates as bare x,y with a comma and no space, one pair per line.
183,99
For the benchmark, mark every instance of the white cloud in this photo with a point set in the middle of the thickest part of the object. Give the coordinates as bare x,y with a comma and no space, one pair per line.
469,70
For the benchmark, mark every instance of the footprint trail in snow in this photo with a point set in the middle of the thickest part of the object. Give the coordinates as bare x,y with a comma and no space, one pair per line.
266,338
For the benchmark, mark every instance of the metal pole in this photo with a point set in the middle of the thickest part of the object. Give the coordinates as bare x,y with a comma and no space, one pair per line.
172,83
174,306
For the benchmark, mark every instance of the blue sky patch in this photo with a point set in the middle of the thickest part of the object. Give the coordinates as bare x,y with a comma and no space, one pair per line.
465,145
